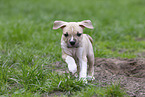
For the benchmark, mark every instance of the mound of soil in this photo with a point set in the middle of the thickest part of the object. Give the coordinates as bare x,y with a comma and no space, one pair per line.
130,73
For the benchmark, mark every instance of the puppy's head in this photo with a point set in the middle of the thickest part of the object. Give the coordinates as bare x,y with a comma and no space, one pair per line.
72,31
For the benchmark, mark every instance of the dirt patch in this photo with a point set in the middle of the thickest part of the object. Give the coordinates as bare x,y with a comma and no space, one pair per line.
140,39
130,73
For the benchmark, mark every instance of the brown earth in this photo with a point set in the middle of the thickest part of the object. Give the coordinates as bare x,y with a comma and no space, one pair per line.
130,73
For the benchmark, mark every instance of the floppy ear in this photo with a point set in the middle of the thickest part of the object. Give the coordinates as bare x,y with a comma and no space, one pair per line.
87,24
59,24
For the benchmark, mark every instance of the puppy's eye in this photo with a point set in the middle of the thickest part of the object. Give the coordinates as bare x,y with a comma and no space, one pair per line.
79,34
66,34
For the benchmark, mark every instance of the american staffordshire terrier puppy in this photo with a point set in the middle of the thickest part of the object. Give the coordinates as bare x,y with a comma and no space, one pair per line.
77,50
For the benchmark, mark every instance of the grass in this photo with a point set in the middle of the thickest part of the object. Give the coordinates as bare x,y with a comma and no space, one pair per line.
29,47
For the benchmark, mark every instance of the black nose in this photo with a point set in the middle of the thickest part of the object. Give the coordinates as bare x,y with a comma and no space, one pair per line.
72,42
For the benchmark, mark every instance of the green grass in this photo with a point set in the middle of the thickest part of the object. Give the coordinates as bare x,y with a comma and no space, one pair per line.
29,47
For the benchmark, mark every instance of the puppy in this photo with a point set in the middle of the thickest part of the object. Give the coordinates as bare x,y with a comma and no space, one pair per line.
77,48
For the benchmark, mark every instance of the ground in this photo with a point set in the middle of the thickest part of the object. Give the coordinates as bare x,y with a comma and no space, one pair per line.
129,73
30,51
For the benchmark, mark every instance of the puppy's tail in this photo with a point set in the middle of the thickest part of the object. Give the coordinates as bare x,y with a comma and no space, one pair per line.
90,38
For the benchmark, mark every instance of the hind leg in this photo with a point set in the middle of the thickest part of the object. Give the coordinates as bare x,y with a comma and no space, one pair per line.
91,66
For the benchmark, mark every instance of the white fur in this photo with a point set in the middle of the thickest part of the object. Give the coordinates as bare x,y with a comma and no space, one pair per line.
83,69
71,64
72,38
72,29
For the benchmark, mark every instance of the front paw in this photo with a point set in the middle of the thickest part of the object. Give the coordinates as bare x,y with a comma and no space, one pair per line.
71,64
72,69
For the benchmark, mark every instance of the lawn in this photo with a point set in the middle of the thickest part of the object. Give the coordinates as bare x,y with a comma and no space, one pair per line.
30,48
